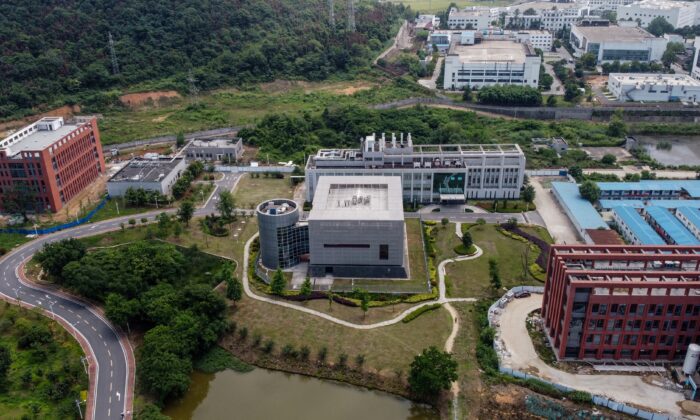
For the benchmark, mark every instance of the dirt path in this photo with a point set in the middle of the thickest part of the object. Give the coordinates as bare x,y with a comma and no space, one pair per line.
432,82
401,41
459,108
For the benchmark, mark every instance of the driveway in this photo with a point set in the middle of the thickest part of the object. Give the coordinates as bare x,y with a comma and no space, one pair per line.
520,355
432,82
556,221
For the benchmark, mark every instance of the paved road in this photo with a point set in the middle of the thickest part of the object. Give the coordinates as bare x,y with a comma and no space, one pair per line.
227,183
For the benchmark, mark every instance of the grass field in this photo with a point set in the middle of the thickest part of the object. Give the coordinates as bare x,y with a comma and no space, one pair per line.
11,240
468,368
231,107
386,349
471,278
44,379
252,191
441,5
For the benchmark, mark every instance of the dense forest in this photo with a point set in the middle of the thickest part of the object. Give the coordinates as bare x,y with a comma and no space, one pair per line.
57,51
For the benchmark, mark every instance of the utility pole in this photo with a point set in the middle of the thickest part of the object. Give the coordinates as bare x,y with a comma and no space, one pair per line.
331,14
113,55
193,87
351,16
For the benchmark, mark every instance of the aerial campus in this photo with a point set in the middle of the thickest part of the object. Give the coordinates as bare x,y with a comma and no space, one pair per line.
409,210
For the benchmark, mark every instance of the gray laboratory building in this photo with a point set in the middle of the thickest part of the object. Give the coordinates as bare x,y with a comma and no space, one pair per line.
355,230
149,174
215,150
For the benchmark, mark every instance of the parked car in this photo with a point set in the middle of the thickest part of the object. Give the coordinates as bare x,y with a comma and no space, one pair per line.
522,294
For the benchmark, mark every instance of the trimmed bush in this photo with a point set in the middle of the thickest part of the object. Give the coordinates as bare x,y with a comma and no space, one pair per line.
461,250
420,311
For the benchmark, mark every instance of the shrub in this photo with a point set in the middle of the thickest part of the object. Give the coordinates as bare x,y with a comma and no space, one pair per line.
322,354
269,346
420,311
243,333
580,397
342,360
304,353
510,95
289,351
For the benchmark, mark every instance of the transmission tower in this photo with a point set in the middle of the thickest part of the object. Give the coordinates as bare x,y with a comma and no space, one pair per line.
331,14
194,92
351,16
113,55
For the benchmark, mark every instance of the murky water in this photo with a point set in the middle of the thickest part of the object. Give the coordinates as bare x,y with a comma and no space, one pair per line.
263,394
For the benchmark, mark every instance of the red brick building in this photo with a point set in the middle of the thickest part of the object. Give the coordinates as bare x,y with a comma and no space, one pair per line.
50,162
622,302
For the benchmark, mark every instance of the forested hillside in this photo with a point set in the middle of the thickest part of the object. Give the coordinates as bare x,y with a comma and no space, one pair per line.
57,51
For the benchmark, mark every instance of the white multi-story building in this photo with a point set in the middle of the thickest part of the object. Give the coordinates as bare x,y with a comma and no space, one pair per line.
472,18
439,40
649,87
429,173
490,62
547,15
611,5
695,71
538,39
617,43
677,13
427,22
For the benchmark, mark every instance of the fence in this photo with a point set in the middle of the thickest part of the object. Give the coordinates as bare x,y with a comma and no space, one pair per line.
547,172
260,169
45,231
172,138
597,399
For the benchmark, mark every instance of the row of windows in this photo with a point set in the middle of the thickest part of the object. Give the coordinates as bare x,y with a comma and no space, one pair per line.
643,339
636,325
638,309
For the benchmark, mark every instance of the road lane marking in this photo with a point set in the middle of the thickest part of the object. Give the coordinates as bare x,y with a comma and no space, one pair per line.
93,327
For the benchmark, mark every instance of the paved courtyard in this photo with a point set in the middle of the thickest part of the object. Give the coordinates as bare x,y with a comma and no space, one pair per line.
554,218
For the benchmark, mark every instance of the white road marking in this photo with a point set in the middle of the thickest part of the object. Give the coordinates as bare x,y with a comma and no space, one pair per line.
71,311
110,362
93,327
111,373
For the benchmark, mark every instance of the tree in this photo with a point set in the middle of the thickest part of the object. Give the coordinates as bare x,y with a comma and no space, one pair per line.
467,94
120,310
588,60
278,283
444,221
494,274
54,256
234,289
528,195
364,302
616,126
431,372
590,191
226,205
659,26
672,50
5,363
185,212
608,159
576,172
20,198
306,287
164,374
467,240
180,139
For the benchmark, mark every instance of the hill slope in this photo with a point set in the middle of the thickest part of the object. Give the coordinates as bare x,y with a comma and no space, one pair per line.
57,51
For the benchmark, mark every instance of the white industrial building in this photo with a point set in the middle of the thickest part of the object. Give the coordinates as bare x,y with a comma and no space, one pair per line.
621,43
440,40
538,39
157,175
650,87
472,18
473,62
215,150
677,13
429,173
695,71
427,22
548,15
611,5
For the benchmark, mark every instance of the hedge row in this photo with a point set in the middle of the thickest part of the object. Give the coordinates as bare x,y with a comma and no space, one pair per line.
541,244
420,311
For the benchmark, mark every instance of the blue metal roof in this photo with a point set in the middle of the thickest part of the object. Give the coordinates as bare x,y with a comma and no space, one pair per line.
582,210
672,226
638,226
692,214
692,187
638,204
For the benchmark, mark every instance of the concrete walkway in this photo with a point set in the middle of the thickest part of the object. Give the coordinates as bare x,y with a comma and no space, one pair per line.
432,82
520,354
556,221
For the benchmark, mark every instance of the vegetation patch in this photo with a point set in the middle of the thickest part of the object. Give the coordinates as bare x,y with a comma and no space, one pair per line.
218,359
420,311
462,250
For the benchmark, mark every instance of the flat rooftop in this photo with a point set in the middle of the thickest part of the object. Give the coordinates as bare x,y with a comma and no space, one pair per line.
582,210
660,4
543,5
277,207
489,51
358,198
145,170
613,33
38,136
214,143
655,79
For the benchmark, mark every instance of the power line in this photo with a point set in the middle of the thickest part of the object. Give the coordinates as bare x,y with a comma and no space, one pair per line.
113,55
351,16
194,91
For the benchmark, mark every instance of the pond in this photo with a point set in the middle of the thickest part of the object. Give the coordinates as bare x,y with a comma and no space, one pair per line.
264,394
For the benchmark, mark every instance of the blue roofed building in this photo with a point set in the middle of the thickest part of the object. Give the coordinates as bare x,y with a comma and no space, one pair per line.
669,227
649,190
579,210
634,228
638,204
690,217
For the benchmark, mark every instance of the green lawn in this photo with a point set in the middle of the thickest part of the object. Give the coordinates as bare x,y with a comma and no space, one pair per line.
51,368
464,351
471,278
252,191
109,211
11,240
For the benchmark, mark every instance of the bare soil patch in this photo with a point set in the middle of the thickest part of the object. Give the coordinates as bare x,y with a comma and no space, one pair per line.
136,100
65,111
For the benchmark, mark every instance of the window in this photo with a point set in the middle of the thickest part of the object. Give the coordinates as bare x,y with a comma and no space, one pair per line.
383,252
346,245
